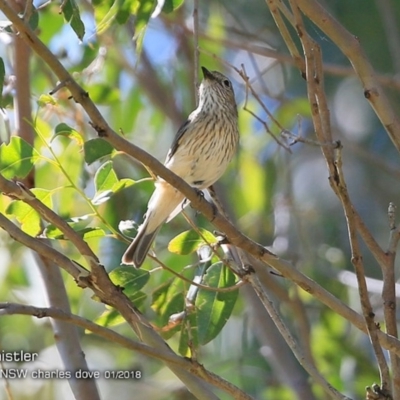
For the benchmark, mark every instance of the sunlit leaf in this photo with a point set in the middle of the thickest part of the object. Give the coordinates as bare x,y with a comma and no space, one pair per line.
78,224
106,12
107,183
131,279
17,158
91,233
122,184
52,232
26,215
189,241
105,177
110,317
104,195
45,99
214,308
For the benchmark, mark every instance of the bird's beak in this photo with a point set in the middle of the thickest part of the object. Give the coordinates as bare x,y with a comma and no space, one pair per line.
207,74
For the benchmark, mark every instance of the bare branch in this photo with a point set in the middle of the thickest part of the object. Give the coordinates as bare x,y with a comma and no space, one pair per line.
389,295
351,48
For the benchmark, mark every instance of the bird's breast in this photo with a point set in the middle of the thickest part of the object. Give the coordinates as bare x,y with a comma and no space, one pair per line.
205,151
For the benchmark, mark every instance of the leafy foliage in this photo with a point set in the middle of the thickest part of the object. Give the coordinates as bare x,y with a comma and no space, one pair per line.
135,60
17,158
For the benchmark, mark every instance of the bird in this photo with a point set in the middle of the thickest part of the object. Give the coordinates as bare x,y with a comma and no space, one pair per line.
200,153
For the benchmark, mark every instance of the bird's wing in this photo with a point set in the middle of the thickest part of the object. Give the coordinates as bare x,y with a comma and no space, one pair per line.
178,137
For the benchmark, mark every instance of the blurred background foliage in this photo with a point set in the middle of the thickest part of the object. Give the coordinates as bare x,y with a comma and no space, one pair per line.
277,197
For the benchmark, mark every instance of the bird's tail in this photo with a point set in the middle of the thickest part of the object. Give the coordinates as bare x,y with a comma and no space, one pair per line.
164,201
138,249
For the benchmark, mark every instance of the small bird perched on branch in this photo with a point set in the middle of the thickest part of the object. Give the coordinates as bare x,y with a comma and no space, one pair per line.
200,153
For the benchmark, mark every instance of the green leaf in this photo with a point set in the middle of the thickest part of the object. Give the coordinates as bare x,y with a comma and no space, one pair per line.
124,11
122,184
105,177
95,149
52,232
2,75
168,300
104,195
189,334
107,183
72,15
45,99
90,233
17,158
143,10
214,308
78,224
189,241
131,279
110,317
106,12
26,215
171,5
66,131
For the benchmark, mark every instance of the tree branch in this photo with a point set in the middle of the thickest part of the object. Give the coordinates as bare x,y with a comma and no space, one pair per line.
351,48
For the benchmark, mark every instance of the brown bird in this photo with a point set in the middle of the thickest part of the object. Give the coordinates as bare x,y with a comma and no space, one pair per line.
200,153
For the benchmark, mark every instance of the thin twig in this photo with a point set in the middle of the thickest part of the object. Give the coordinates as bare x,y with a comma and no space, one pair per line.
389,295
298,60
245,108
356,258
248,44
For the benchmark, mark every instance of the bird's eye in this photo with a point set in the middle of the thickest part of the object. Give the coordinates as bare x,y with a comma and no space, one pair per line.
226,83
